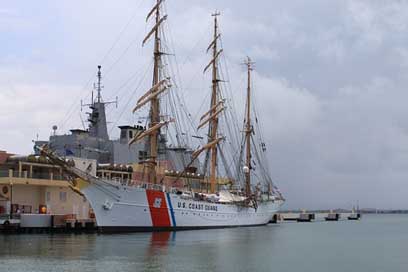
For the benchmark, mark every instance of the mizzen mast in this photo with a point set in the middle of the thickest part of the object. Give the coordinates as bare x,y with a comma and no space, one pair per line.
159,85
248,130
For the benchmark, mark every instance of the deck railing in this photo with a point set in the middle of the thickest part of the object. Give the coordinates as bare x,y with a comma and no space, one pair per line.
34,175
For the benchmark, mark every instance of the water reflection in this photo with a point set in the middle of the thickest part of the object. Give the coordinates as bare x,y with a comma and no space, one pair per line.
64,246
210,250
158,247
285,247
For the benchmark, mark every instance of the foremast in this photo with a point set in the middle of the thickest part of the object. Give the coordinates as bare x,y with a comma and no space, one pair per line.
159,85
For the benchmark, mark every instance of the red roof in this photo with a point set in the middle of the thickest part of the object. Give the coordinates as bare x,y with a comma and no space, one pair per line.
3,156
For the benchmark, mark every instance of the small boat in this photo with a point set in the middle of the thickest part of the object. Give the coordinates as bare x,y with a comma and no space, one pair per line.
354,215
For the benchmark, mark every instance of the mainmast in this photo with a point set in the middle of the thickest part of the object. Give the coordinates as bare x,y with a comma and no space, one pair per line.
248,131
159,85
216,106
214,121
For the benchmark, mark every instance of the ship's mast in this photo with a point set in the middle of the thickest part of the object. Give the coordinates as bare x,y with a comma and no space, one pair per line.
214,96
216,107
97,117
159,85
248,130
99,86
155,103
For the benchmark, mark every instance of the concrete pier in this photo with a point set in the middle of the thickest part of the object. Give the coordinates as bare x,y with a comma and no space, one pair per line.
332,217
316,217
306,217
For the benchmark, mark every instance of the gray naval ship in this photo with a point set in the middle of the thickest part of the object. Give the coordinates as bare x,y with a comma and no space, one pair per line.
94,142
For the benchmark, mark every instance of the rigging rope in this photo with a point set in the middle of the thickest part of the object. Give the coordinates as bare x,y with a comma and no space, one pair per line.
71,108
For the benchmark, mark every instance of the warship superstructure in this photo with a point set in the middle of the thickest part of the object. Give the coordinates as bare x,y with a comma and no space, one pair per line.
95,143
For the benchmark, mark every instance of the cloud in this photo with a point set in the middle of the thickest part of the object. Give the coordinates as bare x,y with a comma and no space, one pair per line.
330,81
30,110
289,110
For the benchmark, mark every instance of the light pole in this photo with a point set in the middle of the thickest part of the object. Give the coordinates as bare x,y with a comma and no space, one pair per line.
11,200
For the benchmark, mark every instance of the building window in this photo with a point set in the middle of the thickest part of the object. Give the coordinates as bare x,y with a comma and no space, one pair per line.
123,134
48,196
63,196
27,209
130,134
142,155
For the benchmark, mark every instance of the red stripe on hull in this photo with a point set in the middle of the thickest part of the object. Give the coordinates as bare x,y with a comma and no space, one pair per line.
158,208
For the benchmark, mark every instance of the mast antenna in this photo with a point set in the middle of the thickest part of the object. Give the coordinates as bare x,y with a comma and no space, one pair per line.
99,86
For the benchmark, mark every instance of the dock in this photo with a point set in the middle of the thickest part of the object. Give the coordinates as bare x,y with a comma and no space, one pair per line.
46,223
306,217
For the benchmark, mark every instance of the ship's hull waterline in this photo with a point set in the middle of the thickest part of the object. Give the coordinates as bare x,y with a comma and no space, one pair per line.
132,209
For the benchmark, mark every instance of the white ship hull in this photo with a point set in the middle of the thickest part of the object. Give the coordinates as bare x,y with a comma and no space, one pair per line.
129,208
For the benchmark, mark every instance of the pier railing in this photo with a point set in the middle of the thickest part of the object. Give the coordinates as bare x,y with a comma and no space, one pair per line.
4,174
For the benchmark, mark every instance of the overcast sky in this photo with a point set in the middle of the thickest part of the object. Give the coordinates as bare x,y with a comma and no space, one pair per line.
330,81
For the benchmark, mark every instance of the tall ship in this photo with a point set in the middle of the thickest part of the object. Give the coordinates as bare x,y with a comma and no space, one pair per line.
201,194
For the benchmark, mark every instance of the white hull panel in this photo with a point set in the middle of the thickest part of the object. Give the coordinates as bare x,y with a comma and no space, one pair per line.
132,208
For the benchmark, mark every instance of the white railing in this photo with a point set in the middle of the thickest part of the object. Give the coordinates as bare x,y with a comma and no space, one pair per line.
118,181
151,186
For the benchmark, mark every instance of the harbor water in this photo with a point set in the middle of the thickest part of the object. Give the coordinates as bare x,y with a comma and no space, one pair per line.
376,243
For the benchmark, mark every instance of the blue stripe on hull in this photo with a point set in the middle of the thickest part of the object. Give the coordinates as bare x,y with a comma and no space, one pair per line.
171,210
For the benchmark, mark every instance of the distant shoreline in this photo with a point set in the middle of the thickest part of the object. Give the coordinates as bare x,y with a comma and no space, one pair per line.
363,211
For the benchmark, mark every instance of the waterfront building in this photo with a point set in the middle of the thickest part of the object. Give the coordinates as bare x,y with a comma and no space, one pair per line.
31,184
